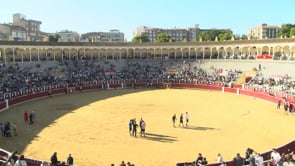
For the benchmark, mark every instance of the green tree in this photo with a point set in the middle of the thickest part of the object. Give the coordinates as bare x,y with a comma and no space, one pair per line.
204,35
244,37
225,36
292,32
53,38
210,35
162,37
140,38
285,30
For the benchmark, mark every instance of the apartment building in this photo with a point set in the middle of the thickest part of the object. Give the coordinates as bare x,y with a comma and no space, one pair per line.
263,31
111,36
21,29
176,34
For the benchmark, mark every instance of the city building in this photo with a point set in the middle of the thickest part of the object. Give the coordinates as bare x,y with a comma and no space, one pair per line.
176,34
112,36
263,31
68,36
21,29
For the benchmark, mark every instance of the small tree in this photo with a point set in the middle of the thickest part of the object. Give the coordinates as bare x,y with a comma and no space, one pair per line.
162,37
140,38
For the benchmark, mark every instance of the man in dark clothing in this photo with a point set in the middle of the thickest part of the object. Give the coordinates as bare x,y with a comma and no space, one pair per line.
31,118
134,128
174,119
53,159
238,160
70,160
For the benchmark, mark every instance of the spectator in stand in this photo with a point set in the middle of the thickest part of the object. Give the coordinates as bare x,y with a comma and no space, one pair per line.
258,160
275,155
9,161
279,104
199,158
204,162
238,160
54,160
21,161
290,107
219,158
122,163
70,160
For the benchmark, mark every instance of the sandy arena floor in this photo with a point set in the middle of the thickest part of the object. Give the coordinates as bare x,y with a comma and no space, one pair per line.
93,126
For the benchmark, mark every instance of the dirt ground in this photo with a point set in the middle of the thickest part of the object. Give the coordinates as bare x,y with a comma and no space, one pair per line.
93,126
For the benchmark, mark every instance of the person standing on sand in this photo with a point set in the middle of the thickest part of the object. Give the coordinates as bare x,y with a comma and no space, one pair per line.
186,119
26,116
130,125
134,128
181,120
174,119
142,127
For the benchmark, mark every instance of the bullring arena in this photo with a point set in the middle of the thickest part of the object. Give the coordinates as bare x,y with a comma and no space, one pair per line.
89,117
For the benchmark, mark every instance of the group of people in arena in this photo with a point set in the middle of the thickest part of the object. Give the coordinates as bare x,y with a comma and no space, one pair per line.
181,120
133,127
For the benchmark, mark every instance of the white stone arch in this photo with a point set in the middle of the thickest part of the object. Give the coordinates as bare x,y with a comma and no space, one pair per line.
228,52
95,53
193,53
157,53
171,52
74,53
123,53
207,52
130,53
42,55
285,53
9,54
245,52
292,52
109,54
50,54
253,52
277,52
214,53
165,53
237,53
33,53
199,51
2,55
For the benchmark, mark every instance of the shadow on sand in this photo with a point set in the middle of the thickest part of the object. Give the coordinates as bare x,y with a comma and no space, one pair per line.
159,137
199,128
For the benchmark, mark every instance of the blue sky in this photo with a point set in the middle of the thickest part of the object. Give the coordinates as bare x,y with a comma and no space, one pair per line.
125,15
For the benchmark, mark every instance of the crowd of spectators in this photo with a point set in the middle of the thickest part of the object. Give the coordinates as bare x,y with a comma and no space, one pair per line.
18,79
